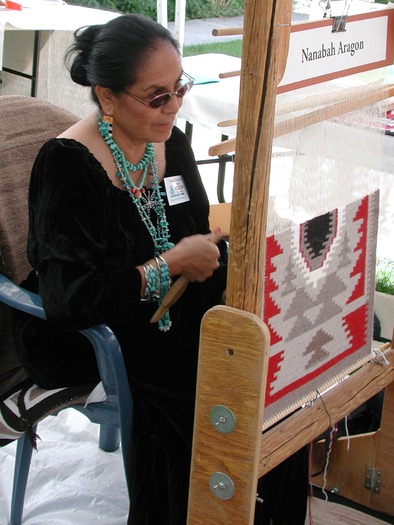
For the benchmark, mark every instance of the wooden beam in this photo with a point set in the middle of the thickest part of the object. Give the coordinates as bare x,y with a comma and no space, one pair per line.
383,500
347,466
228,31
234,341
232,362
349,100
264,55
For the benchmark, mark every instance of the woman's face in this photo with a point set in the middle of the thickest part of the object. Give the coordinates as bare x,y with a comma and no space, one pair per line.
136,123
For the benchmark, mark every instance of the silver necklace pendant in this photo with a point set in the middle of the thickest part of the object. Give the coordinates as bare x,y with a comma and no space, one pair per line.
148,202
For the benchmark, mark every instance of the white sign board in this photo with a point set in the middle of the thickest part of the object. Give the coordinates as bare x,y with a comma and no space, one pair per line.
317,53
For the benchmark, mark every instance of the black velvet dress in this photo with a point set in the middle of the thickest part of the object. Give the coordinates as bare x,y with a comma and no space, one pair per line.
85,239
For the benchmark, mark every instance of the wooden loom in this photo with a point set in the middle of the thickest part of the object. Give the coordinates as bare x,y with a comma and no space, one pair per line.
230,452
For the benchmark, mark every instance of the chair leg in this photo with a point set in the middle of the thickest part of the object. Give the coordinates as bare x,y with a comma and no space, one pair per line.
109,439
24,452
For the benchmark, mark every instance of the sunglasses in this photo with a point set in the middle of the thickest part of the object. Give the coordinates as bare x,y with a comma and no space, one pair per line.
158,101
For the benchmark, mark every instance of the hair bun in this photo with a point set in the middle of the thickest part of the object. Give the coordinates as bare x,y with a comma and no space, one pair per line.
77,56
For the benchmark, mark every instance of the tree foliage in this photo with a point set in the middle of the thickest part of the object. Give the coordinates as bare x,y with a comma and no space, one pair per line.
195,9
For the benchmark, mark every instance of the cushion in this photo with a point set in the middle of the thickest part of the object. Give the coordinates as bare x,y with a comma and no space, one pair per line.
25,404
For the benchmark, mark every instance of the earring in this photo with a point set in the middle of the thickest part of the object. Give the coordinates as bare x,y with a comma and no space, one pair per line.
107,125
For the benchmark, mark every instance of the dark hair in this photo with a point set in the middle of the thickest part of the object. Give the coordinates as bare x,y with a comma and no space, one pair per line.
109,55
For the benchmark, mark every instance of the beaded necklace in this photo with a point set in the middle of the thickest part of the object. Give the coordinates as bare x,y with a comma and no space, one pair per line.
105,129
159,233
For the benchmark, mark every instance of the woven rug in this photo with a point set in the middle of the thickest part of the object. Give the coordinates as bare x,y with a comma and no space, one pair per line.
318,297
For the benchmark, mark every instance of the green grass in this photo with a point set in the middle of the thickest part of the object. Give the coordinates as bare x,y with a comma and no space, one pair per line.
385,276
231,47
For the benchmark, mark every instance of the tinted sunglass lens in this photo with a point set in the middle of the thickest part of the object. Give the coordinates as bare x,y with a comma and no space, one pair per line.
188,87
182,91
160,101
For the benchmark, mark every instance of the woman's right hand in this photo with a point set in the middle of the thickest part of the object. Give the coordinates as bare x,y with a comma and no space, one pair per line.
195,257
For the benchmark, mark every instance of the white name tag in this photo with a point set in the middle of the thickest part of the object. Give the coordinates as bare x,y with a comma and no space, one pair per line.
176,190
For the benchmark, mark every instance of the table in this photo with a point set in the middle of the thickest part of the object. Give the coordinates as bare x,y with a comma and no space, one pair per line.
45,16
212,99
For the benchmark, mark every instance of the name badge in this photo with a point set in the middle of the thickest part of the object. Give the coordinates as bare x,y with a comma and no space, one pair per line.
176,190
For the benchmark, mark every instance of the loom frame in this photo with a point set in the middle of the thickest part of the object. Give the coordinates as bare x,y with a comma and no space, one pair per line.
234,340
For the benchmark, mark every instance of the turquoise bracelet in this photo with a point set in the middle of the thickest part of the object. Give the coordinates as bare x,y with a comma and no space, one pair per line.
165,285
152,280
158,282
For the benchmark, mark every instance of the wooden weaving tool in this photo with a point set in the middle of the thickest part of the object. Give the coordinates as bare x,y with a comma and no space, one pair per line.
171,297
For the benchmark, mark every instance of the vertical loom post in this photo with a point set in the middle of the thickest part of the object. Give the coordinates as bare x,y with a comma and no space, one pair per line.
264,54
233,356
234,341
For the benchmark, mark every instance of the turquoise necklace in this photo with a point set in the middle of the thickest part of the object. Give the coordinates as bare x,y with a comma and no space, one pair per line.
105,130
159,233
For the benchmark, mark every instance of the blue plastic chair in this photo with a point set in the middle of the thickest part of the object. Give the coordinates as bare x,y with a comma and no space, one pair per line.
26,123
114,414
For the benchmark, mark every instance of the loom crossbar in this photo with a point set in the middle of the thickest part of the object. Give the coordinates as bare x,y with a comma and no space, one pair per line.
350,100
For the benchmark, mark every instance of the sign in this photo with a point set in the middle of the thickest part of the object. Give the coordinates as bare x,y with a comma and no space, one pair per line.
318,54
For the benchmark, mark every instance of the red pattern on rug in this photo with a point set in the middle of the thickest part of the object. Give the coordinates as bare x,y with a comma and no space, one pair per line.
318,292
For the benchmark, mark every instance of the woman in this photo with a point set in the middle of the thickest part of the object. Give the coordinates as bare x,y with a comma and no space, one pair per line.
117,211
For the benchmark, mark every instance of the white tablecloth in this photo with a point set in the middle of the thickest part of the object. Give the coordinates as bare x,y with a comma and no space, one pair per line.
48,16
212,99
